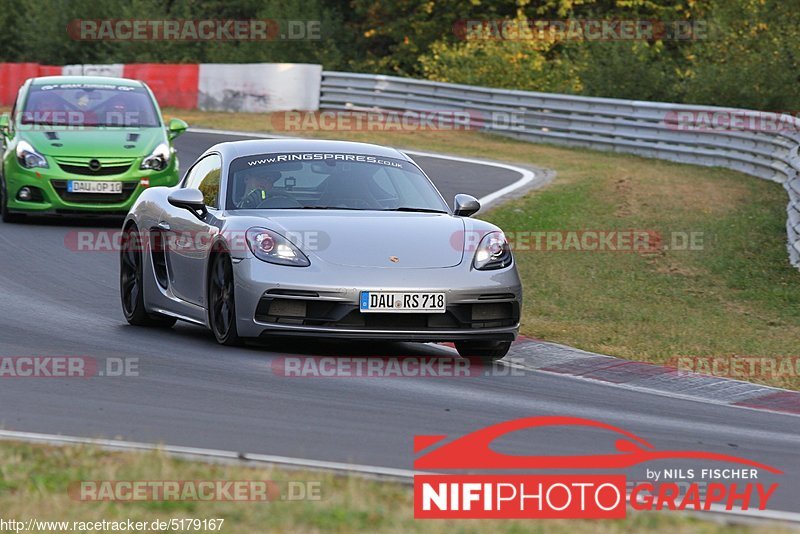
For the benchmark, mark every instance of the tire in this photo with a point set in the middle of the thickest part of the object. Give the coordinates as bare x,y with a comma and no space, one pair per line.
131,287
6,215
486,352
222,301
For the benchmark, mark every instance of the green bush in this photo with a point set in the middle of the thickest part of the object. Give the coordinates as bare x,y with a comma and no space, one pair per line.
751,60
510,64
627,69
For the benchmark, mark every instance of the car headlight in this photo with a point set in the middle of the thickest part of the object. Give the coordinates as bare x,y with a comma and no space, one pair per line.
158,159
272,247
28,157
493,252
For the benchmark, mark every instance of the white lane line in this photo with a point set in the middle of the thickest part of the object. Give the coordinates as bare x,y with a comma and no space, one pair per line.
750,514
527,175
208,454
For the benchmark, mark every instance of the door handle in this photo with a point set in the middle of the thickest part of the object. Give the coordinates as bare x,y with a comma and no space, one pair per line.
164,225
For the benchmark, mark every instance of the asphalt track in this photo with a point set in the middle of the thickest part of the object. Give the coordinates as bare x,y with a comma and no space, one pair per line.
191,392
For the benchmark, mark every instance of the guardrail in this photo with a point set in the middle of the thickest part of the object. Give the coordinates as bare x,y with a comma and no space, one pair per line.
249,87
672,132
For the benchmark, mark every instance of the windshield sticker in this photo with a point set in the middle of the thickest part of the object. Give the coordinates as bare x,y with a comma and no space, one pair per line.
85,86
317,156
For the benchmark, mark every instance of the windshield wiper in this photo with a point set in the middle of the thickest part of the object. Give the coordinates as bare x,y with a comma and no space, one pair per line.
419,210
404,208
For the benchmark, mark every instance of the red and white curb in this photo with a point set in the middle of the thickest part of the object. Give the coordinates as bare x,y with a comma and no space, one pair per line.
536,355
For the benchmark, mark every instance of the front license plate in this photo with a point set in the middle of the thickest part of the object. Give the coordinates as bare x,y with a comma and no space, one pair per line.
391,302
77,186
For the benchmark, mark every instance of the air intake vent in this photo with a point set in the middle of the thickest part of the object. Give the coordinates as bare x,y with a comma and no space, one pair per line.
293,293
497,296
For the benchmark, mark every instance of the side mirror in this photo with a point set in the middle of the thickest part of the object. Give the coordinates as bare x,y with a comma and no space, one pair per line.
176,127
189,199
4,124
466,205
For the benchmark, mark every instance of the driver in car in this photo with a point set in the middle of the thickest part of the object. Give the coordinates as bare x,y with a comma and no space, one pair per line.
257,188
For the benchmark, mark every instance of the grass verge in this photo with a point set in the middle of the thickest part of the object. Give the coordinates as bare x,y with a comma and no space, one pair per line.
34,483
735,297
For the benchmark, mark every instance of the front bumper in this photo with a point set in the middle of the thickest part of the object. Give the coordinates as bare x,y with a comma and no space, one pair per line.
52,198
323,301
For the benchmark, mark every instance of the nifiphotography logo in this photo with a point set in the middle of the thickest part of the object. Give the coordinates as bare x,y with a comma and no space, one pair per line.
575,496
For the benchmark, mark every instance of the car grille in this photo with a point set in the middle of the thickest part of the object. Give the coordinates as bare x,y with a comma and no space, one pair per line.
82,166
309,312
94,198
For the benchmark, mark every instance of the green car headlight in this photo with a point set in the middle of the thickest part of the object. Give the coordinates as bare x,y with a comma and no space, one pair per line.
28,157
158,159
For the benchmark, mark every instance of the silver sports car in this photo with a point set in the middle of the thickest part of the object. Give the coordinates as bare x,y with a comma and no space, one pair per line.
318,238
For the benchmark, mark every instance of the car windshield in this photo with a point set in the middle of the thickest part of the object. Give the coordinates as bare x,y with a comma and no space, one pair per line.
77,104
320,180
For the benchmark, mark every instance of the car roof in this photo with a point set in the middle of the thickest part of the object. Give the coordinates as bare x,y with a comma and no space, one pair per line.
237,149
105,80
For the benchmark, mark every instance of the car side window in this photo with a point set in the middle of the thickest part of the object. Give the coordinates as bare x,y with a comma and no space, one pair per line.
205,176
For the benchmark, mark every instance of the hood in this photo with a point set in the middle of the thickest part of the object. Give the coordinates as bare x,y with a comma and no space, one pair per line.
96,142
370,239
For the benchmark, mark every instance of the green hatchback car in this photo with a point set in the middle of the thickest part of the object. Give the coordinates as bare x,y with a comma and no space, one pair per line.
84,145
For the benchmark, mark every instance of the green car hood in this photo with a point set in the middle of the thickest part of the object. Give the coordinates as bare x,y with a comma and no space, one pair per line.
96,142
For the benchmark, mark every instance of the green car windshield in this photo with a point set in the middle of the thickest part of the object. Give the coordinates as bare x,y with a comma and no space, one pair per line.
89,105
